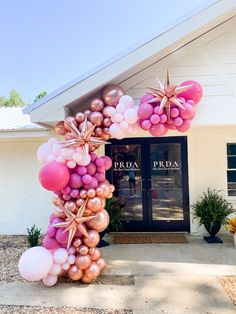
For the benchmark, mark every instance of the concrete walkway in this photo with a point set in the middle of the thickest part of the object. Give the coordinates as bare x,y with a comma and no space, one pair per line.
169,278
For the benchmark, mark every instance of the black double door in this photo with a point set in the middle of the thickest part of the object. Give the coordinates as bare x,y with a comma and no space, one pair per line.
151,180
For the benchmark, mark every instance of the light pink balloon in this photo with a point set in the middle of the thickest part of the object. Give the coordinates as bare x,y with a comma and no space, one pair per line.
35,263
43,152
118,117
60,256
127,101
50,280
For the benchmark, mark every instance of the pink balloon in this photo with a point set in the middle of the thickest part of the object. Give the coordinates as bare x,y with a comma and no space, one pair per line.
158,130
75,181
92,185
163,118
43,152
87,179
66,189
93,156
108,162
54,176
174,112
100,162
178,121
91,168
145,98
146,124
127,101
35,263
157,110
51,231
61,236
145,111
52,217
50,243
74,193
100,169
184,127
195,92
100,177
155,119
188,113
81,170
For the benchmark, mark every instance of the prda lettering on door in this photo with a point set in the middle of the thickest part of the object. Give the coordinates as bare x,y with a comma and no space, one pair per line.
165,165
125,166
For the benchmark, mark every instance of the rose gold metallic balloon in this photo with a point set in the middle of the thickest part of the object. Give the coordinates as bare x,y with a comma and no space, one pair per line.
71,206
100,222
103,202
106,189
83,194
111,94
105,111
83,250
93,270
87,212
96,255
92,250
60,128
106,137
77,243
91,193
74,273
110,195
70,119
107,122
89,124
79,117
83,261
79,202
86,279
106,131
94,204
96,118
112,188
87,112
101,263
93,238
98,131
96,104
99,191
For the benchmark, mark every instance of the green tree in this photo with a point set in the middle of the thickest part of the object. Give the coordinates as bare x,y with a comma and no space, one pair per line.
13,101
40,95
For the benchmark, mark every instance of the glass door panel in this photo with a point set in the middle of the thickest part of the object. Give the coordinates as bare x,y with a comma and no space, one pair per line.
127,177
166,181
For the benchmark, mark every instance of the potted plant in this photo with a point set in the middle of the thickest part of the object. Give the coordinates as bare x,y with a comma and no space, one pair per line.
231,227
114,208
212,210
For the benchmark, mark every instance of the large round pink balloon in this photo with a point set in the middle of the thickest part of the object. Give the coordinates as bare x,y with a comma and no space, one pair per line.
54,176
145,111
35,263
158,130
194,92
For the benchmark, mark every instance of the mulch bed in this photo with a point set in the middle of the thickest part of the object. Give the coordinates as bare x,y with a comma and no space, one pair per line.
58,310
145,238
229,285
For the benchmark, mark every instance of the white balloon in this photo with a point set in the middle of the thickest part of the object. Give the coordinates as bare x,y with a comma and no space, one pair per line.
42,153
60,256
71,259
71,250
77,157
127,101
115,130
124,125
130,115
60,159
118,117
51,158
65,266
67,153
52,141
55,270
56,149
71,164
111,111
35,263
120,108
50,280
85,160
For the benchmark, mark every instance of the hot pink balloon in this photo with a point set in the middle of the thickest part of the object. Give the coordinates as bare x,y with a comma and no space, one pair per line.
195,92
54,176
184,127
50,243
91,168
81,170
188,113
145,111
108,162
146,124
35,263
61,236
155,119
145,98
51,231
178,121
174,112
87,179
75,181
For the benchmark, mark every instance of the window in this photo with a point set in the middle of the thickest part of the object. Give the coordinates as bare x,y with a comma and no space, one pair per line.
231,169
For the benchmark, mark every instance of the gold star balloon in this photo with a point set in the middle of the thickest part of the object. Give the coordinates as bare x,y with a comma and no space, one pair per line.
74,222
167,94
84,139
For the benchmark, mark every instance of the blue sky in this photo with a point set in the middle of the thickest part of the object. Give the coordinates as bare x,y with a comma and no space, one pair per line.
47,43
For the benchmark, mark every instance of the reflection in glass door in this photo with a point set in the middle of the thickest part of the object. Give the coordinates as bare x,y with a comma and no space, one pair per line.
151,180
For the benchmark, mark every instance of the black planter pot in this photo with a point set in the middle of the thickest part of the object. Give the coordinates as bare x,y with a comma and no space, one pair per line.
212,229
102,243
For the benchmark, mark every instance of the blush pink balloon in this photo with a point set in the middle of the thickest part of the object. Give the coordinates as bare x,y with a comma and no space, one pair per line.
184,127
145,111
158,130
195,92
50,243
188,113
43,152
146,124
93,238
35,263
54,176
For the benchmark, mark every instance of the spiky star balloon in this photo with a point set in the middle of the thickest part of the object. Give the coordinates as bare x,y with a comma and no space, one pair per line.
167,94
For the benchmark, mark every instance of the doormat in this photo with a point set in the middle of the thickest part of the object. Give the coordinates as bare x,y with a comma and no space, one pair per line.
145,238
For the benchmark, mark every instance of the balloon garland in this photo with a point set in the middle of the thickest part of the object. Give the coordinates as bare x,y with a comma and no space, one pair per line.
76,175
